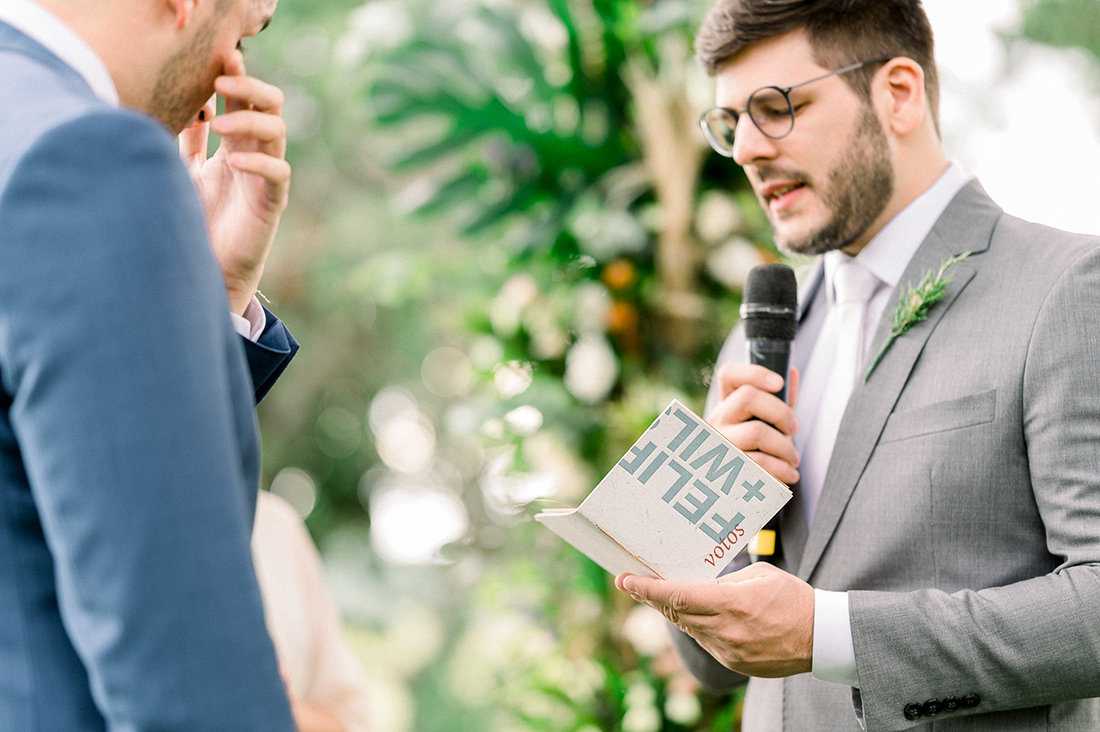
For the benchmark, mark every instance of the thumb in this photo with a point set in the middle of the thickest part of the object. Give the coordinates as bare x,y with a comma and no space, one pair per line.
194,137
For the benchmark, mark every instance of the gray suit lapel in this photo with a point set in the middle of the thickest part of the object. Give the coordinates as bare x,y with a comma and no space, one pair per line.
966,225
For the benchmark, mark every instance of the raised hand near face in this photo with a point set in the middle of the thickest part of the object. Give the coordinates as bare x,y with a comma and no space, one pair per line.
244,186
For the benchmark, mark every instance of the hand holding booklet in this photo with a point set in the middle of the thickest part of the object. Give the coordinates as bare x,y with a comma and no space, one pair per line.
679,505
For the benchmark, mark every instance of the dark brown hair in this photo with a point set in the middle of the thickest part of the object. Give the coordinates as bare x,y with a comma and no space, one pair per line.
841,32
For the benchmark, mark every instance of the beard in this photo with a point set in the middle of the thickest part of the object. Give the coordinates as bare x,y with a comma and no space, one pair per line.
186,80
855,193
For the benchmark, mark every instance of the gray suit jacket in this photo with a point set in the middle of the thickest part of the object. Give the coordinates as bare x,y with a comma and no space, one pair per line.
961,509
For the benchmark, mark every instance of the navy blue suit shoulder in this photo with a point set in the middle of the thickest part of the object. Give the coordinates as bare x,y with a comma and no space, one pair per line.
129,459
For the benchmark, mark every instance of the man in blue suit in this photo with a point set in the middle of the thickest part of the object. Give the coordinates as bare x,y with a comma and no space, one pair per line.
128,449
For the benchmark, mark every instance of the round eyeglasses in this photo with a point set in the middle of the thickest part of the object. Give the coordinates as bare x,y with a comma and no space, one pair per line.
770,109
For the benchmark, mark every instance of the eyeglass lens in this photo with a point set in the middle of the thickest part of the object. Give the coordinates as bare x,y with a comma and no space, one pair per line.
770,110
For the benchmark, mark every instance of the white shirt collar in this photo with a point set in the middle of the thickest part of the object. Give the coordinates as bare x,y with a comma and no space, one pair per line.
44,27
889,251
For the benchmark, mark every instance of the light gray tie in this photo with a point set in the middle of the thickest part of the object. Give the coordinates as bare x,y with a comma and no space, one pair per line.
844,325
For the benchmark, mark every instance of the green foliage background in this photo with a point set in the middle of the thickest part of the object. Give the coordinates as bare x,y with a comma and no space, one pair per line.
507,248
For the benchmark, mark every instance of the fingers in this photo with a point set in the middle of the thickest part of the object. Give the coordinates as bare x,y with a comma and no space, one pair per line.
782,466
773,450
732,376
275,171
756,421
234,68
253,115
679,602
243,92
266,129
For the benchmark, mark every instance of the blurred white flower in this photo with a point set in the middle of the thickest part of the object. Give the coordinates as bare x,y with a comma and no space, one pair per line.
505,491
593,302
485,352
683,708
513,378
591,368
549,344
506,310
647,631
543,28
525,420
641,709
375,24
607,233
297,487
730,263
403,436
717,217
578,678
548,339
482,653
447,372
494,429
406,443
412,521
570,477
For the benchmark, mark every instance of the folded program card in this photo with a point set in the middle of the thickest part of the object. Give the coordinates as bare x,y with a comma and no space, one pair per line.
679,505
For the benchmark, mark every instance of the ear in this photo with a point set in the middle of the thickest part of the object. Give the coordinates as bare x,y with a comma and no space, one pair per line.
899,90
182,11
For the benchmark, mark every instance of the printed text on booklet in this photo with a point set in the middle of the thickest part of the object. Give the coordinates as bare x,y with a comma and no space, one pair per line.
679,505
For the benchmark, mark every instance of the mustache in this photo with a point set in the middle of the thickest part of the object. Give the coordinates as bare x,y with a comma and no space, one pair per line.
765,173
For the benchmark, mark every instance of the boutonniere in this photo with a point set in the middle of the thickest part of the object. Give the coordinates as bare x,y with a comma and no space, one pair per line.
915,302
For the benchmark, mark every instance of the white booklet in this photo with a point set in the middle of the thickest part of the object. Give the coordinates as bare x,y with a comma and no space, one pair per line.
679,505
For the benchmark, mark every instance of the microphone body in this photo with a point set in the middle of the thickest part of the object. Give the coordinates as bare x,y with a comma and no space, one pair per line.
769,310
774,355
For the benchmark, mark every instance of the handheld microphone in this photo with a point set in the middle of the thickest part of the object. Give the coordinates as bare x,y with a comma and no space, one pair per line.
769,309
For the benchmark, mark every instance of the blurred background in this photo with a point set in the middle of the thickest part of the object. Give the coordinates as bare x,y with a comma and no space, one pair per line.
507,248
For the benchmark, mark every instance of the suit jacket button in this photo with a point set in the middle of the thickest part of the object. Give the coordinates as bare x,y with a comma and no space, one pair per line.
970,701
951,704
932,707
913,711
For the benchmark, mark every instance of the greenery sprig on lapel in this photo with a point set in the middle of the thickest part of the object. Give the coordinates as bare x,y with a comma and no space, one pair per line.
914,304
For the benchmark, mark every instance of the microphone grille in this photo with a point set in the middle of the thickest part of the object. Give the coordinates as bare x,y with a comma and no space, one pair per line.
770,302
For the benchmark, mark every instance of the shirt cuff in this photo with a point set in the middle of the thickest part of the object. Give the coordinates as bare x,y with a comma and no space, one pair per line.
834,653
250,325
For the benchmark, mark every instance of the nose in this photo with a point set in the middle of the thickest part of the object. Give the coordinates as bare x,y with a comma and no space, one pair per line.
750,144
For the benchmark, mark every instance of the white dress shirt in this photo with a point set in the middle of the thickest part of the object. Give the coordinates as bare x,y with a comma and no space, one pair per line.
46,28
886,256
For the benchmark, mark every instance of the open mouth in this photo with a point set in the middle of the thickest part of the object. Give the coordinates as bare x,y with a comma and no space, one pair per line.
780,192
779,197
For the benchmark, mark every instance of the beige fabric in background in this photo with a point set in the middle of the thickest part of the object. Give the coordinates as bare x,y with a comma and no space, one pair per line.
302,618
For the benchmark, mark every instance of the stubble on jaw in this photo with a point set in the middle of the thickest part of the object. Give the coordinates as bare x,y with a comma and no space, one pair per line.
855,192
181,85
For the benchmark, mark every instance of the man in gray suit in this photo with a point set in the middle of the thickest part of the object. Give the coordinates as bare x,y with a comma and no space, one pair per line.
941,557
129,459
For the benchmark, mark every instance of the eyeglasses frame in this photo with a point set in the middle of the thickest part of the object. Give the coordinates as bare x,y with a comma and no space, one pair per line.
785,91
